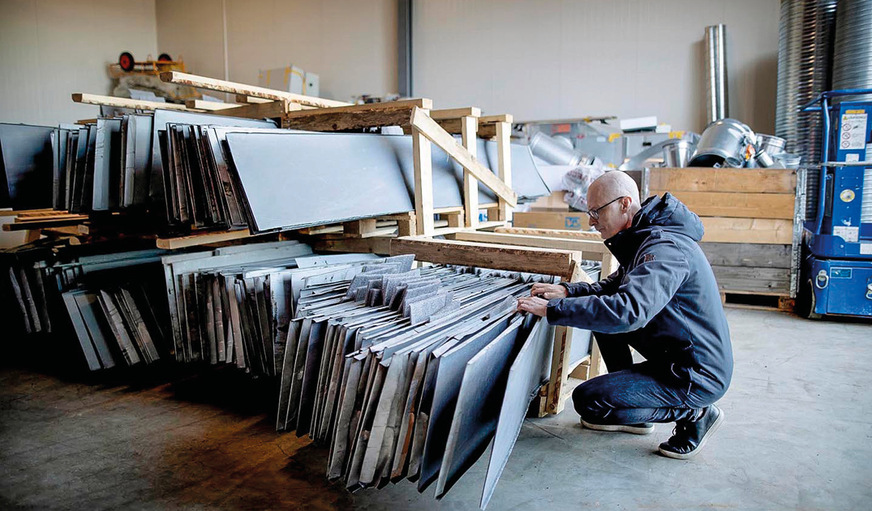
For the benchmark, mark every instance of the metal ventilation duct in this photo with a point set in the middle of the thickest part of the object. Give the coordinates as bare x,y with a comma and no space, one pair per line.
804,55
717,105
852,58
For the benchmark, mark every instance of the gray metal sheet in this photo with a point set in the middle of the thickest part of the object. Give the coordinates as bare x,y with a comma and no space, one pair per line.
300,180
107,159
447,387
528,372
477,409
27,159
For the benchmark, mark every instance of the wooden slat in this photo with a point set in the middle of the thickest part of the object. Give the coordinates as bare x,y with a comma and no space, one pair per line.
242,98
769,281
723,180
422,159
430,129
202,82
370,245
736,205
138,104
43,223
455,113
204,238
551,233
751,255
501,257
396,113
29,212
201,104
747,230
591,250
468,127
504,165
561,351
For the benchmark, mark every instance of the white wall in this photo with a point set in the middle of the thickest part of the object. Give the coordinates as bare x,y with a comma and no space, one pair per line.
551,59
52,48
351,44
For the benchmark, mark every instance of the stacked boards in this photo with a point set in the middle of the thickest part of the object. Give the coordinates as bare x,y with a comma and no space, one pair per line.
412,374
752,220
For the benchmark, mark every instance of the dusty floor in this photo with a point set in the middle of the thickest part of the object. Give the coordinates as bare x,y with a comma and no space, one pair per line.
798,435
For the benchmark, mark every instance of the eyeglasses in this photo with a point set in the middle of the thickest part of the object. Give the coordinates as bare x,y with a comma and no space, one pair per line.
594,213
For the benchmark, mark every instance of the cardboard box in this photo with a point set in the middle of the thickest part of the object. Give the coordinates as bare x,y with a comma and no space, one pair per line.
553,202
570,220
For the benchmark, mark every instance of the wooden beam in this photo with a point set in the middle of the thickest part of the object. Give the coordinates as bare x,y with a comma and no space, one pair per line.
211,106
469,127
723,180
429,128
372,115
242,98
448,230
270,110
423,162
455,113
551,233
137,104
203,82
504,166
488,119
369,245
500,257
45,223
203,238
561,350
588,247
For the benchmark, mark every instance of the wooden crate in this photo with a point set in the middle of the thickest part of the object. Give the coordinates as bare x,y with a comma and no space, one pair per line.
752,220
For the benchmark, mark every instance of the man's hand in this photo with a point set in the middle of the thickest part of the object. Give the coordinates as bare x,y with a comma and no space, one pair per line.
533,305
548,291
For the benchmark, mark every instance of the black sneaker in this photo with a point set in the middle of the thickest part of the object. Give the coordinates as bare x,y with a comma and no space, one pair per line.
645,428
689,438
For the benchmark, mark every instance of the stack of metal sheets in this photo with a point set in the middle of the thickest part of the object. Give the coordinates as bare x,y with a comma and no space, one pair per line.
113,313
410,374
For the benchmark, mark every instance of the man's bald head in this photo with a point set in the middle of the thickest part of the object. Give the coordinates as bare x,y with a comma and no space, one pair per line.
615,184
613,200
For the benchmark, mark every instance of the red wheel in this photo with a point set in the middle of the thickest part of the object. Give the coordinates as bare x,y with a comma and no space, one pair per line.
164,57
125,60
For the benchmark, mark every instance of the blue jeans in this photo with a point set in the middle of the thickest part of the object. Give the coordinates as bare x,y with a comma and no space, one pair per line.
635,393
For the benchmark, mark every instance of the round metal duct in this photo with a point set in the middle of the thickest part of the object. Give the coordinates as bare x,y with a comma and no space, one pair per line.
804,56
852,55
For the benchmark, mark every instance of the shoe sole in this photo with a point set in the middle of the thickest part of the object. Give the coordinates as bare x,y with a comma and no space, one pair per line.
618,428
691,454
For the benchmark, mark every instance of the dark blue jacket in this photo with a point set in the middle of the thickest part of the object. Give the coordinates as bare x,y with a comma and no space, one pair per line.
665,292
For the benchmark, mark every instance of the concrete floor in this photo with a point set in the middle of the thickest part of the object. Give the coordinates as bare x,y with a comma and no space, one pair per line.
798,435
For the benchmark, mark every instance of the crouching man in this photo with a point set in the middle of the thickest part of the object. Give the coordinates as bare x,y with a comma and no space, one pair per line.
663,302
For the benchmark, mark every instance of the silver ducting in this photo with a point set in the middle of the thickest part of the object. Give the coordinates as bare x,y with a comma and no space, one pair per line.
852,54
556,151
804,57
717,106
723,144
